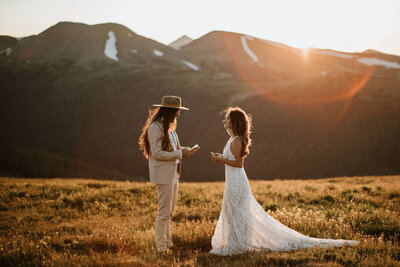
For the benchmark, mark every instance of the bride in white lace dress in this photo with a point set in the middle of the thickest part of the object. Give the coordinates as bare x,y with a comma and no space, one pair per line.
243,225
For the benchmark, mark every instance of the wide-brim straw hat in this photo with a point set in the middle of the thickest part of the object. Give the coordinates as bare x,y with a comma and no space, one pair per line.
170,101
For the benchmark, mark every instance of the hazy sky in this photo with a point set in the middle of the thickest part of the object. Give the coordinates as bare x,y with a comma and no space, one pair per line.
345,25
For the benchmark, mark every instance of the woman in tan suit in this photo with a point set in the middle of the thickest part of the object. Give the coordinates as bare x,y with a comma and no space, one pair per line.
160,145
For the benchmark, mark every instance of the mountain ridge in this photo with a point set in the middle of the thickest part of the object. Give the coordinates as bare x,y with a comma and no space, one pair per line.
63,25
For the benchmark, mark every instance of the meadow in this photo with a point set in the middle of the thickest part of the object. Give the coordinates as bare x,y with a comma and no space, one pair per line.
75,222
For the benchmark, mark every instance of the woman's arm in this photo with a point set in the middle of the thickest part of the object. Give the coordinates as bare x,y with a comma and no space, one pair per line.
155,139
236,148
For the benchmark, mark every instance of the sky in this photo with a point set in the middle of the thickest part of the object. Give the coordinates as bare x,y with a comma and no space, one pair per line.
343,25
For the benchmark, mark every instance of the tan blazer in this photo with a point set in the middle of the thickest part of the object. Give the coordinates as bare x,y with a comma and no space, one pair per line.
162,164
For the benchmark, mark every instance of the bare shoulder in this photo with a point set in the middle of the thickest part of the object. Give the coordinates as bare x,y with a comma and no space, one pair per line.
236,144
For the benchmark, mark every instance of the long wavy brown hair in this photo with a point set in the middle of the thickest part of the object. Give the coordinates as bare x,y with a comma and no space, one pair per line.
168,118
241,126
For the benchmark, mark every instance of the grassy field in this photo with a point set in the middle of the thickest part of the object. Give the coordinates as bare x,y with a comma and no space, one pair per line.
89,222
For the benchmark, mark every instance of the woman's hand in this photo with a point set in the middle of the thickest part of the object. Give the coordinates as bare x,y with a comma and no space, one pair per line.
187,152
235,148
217,157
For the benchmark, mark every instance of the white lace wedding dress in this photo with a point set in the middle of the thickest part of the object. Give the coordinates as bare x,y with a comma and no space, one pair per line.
243,225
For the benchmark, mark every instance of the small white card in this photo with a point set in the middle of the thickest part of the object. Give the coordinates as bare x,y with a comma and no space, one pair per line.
195,147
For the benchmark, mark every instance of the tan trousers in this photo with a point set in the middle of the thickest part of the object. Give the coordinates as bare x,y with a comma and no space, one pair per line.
167,196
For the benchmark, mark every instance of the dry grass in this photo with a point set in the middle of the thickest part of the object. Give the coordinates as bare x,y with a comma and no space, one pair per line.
87,222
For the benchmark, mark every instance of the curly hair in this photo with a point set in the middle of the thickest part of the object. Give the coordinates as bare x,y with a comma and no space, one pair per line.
241,126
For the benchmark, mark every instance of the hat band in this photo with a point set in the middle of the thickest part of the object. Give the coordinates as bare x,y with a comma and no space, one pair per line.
170,105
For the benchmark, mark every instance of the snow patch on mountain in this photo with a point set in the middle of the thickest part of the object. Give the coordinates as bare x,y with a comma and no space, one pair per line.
110,49
7,51
376,61
190,65
247,49
158,53
331,53
134,51
274,43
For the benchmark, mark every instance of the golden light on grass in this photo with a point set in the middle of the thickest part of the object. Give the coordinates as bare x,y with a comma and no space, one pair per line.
87,222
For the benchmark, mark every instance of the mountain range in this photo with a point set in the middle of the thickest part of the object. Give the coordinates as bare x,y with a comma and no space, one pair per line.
74,99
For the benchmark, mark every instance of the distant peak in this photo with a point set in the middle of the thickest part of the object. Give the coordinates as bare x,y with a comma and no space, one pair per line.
181,41
371,51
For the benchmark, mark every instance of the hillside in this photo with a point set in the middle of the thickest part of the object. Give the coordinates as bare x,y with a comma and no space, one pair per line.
74,99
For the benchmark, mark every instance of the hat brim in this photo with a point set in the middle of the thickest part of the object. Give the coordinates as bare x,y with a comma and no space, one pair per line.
158,105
